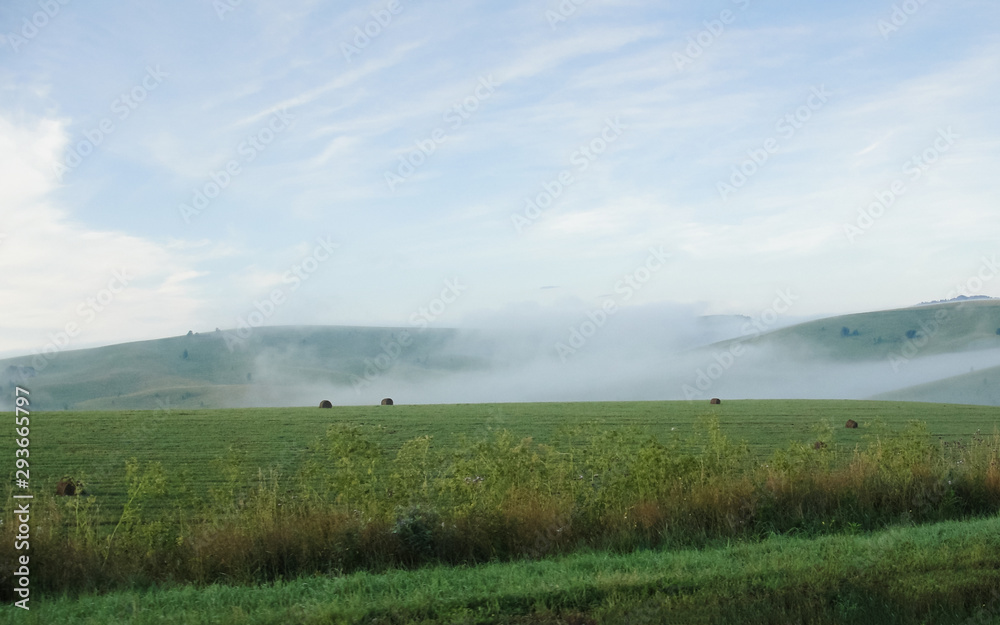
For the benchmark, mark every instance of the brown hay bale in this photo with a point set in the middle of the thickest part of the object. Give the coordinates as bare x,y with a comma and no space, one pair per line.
715,400
851,423
66,487
819,445
387,402
325,404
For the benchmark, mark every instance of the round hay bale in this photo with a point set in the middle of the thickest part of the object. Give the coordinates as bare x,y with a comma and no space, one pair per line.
852,424
325,404
387,402
66,487
715,400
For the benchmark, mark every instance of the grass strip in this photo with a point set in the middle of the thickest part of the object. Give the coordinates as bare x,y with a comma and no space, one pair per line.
942,573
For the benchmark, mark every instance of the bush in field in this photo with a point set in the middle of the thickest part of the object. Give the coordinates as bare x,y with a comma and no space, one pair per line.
415,529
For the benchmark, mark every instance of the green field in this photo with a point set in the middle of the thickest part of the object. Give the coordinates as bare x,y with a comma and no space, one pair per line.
782,532
95,445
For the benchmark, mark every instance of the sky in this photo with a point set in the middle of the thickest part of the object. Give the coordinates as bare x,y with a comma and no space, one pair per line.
167,167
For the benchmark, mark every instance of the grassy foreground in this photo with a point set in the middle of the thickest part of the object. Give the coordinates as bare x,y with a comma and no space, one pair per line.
307,526
942,573
356,506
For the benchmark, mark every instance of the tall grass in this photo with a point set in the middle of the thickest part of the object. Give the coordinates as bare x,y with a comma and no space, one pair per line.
945,573
355,505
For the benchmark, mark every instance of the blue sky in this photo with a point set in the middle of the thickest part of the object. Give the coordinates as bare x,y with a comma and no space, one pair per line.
627,121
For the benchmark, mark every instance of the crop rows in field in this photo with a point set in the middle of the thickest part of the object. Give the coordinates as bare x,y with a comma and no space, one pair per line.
194,446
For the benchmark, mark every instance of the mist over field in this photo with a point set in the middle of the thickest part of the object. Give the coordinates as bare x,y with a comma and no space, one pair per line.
654,353
531,354
640,357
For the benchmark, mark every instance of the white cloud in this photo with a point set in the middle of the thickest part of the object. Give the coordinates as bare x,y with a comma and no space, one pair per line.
58,272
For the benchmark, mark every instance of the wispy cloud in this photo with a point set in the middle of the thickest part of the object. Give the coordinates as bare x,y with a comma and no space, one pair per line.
355,119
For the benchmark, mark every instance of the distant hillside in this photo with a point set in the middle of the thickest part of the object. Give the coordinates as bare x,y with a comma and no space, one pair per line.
976,387
921,330
219,369
634,355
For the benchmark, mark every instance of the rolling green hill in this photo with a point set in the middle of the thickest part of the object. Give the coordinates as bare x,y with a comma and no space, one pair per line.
920,330
300,365
220,369
979,387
